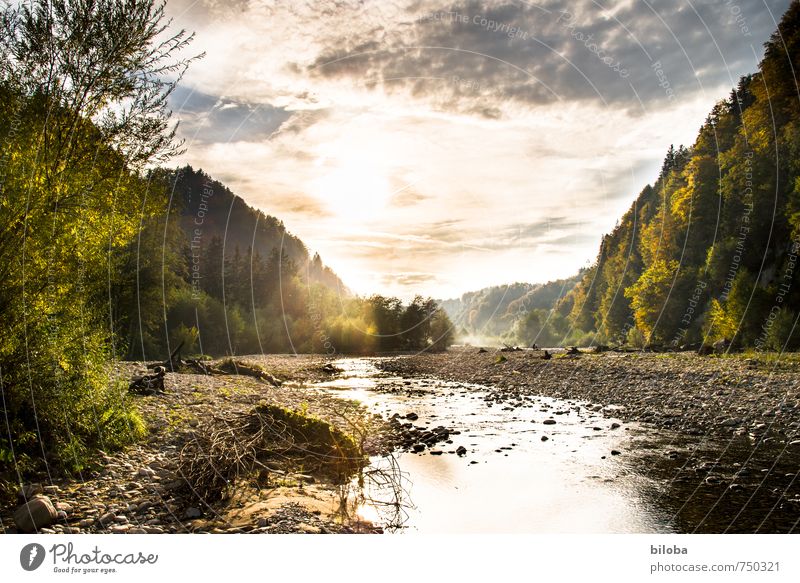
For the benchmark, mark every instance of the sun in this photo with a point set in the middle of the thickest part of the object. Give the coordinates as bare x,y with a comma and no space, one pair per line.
353,190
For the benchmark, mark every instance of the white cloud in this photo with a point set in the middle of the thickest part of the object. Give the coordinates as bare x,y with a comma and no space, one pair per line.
459,157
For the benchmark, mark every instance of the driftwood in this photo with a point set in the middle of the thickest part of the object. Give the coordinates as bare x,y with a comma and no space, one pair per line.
509,348
177,364
149,384
173,362
231,366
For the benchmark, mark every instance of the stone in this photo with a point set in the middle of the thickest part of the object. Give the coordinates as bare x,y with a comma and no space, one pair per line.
461,450
192,513
616,452
107,518
549,422
35,514
28,492
418,447
412,416
545,438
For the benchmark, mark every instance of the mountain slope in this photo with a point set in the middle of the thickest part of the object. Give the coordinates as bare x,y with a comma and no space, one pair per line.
710,250
492,312
210,210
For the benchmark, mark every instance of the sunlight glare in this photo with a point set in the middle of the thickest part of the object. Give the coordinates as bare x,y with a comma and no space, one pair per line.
353,190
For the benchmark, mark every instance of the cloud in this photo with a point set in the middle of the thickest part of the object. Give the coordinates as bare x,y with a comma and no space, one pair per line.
555,52
210,119
412,280
482,142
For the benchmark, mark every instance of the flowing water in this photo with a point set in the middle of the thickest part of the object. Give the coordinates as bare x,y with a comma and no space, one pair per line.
511,479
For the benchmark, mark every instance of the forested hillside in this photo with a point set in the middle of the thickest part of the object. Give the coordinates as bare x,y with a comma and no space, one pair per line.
505,312
709,250
222,278
105,255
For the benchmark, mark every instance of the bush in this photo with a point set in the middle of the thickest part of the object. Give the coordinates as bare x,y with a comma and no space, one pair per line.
780,335
63,404
636,338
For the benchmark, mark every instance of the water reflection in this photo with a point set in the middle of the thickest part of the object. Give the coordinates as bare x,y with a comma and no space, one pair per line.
511,480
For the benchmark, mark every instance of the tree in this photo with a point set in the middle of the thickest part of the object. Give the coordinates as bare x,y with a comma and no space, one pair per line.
83,88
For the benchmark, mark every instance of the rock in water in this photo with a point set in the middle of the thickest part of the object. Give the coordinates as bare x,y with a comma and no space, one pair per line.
461,450
419,447
37,513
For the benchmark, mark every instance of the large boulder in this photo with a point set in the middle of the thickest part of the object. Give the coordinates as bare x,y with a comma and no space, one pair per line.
29,491
37,513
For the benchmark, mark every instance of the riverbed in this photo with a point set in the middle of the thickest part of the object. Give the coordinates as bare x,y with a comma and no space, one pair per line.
543,466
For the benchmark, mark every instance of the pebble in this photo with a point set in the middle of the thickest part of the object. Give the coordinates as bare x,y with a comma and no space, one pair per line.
107,518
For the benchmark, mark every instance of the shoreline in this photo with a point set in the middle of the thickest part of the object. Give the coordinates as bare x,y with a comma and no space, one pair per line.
138,490
680,391
740,403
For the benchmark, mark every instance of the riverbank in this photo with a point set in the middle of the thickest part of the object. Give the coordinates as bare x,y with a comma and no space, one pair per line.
717,439
141,490
681,391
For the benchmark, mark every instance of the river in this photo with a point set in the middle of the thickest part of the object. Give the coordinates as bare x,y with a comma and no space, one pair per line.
518,475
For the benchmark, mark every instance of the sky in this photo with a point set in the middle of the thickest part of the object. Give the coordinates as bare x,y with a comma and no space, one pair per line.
441,147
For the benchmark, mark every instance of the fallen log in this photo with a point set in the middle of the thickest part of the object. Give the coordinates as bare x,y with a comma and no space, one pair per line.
149,384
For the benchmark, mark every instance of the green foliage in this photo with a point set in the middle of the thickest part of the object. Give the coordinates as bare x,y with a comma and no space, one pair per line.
709,250
542,327
636,338
83,89
186,279
649,295
782,333
496,312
